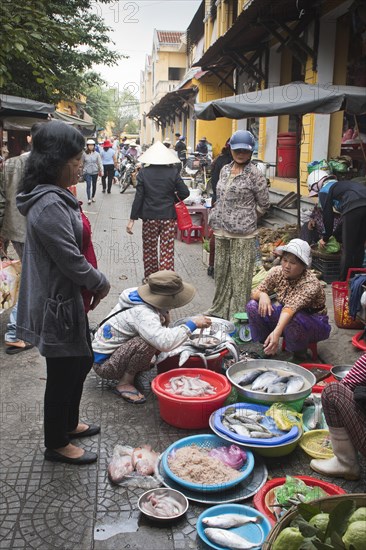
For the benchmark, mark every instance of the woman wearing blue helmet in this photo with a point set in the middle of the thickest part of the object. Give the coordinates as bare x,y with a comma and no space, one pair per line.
242,195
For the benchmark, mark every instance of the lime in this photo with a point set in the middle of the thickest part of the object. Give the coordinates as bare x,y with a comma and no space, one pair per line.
355,535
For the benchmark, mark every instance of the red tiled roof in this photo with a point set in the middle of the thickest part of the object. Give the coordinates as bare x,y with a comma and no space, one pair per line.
169,37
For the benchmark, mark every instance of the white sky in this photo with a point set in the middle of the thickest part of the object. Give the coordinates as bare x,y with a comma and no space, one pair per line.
133,23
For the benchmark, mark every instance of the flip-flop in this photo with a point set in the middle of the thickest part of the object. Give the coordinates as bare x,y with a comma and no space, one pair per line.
125,393
12,350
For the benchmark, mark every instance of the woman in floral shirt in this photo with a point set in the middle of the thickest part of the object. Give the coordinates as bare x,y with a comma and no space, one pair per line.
300,315
242,196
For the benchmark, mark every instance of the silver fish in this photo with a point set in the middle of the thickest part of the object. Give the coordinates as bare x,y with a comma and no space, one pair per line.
240,429
226,521
277,387
262,435
246,416
249,377
295,384
228,539
263,380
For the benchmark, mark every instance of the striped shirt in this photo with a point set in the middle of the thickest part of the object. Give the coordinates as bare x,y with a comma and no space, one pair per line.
357,375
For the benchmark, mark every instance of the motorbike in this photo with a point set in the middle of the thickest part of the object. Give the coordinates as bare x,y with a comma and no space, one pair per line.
265,168
127,173
198,167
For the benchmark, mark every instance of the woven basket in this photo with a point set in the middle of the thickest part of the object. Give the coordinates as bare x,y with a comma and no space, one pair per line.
316,443
325,504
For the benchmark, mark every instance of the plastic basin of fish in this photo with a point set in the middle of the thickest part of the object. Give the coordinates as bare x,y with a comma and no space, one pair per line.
252,532
214,363
181,500
189,413
218,381
283,437
276,450
206,441
236,371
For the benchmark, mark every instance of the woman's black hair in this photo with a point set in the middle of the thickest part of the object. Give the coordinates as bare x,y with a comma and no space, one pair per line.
53,145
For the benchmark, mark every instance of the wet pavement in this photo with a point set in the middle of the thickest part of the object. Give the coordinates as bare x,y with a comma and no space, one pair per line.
48,505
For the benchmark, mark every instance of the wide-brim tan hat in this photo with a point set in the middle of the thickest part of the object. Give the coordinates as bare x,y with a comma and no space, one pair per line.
166,290
298,248
158,154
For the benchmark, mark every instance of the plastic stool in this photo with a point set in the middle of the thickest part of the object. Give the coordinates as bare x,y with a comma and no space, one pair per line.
193,234
313,347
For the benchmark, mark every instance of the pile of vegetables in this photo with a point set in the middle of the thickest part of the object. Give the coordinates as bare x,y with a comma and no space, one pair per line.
295,491
344,528
270,239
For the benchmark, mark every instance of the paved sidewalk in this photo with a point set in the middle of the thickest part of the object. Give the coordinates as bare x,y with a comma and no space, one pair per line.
48,506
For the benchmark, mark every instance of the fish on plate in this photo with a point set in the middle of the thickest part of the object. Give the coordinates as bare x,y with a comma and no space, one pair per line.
228,539
226,521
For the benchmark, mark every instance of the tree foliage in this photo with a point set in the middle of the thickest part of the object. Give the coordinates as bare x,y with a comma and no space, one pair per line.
49,47
111,105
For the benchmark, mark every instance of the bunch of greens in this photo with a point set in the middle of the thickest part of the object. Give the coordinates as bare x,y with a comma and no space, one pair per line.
294,491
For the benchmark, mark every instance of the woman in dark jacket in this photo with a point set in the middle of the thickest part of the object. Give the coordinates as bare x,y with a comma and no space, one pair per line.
55,275
158,185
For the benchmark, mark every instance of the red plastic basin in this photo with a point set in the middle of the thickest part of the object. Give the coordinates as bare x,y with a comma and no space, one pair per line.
190,413
214,364
219,382
261,499
318,388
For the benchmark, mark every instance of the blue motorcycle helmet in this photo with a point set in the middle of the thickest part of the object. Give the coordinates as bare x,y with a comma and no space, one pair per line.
242,139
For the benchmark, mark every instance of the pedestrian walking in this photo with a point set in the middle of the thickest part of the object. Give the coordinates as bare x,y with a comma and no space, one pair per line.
91,167
55,274
110,164
159,186
13,228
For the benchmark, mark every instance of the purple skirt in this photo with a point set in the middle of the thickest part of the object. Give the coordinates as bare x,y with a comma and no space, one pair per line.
302,330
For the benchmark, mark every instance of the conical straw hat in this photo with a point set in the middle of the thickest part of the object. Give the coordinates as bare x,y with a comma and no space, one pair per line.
158,154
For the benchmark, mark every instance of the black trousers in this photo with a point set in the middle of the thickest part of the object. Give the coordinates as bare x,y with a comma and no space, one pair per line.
108,174
353,240
64,387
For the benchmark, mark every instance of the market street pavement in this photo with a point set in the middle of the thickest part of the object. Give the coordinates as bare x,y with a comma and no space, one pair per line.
48,505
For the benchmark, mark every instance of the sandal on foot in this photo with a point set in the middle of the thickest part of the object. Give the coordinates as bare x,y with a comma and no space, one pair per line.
17,347
126,393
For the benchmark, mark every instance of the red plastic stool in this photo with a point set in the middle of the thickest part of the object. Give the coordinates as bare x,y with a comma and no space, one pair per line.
313,347
193,234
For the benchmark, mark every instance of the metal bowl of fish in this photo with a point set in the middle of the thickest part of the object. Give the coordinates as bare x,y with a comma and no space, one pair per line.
340,371
268,381
163,504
